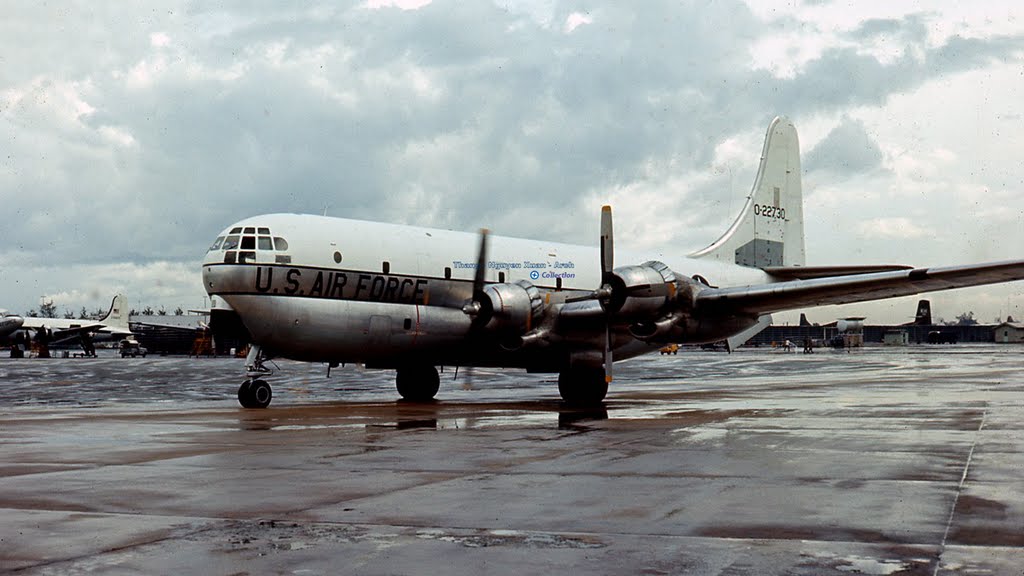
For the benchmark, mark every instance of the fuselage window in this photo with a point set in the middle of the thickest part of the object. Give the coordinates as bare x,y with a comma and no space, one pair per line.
408,323
385,267
337,257
501,277
265,243
280,243
230,243
249,230
263,231
244,257
558,283
216,243
236,231
229,257
447,272
248,242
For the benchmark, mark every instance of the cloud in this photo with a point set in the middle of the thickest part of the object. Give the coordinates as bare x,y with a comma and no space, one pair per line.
898,228
140,136
847,149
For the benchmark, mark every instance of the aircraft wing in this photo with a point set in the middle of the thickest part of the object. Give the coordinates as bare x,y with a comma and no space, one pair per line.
61,333
793,294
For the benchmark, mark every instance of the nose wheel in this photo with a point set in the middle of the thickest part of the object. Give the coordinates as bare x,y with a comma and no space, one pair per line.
254,391
255,394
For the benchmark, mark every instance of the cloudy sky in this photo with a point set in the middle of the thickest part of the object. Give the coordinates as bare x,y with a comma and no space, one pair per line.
131,135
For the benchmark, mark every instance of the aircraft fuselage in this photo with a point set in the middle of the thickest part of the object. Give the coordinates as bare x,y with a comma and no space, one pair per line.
339,290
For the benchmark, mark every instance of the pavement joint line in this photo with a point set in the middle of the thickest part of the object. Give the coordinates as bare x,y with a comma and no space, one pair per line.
959,490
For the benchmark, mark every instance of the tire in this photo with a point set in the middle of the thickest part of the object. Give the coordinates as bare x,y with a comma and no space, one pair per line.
582,386
255,394
417,383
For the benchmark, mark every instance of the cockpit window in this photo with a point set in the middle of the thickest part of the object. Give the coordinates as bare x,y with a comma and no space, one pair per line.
236,230
230,243
264,243
262,230
249,230
216,243
280,243
248,242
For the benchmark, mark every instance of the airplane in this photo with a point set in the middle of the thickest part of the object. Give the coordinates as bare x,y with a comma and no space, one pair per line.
335,290
9,324
60,330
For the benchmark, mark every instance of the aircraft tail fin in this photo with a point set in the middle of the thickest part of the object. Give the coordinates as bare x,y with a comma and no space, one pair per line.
924,313
769,231
117,317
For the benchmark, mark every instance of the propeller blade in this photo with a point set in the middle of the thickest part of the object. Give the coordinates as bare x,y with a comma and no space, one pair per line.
607,261
481,264
607,247
475,305
605,292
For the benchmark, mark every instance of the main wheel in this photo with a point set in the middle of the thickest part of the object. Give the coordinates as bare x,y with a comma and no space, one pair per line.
582,386
417,383
255,394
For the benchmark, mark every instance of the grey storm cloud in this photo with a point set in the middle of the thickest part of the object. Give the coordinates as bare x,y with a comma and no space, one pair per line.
847,149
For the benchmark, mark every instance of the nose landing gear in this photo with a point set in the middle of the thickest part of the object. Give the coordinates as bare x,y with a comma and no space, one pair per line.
254,391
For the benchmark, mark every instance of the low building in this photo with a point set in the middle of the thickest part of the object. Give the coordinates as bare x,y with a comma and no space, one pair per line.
1009,332
168,334
895,338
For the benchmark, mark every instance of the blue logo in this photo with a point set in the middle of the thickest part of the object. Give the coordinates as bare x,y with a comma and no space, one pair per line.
534,275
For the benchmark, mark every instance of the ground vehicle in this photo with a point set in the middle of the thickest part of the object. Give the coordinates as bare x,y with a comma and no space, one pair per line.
670,349
132,348
940,337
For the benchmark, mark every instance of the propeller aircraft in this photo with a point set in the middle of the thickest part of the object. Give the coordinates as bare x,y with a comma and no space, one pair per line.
407,298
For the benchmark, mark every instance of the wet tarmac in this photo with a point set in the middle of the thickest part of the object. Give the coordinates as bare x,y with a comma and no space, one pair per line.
881,461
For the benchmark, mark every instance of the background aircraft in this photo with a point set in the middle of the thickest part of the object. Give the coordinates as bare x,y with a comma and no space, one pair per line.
408,298
50,331
9,323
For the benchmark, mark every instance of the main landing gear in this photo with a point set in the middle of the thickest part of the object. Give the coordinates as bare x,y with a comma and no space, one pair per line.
254,391
583,386
417,382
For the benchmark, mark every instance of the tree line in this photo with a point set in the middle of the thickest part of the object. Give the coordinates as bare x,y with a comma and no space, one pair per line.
49,310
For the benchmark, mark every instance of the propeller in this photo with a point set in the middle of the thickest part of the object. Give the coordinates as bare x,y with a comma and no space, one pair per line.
479,306
606,293
607,264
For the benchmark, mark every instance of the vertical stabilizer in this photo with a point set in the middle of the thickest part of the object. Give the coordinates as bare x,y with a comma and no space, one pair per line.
924,313
117,317
769,231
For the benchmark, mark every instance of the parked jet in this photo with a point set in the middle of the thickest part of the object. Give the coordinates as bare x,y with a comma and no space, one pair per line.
408,298
61,330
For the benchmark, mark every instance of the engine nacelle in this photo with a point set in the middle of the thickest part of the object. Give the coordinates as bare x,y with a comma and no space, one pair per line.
675,326
512,308
642,290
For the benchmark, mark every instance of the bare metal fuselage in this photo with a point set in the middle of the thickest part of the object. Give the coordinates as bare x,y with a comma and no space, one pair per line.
385,295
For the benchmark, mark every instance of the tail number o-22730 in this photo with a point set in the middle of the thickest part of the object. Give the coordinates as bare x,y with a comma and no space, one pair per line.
770,211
